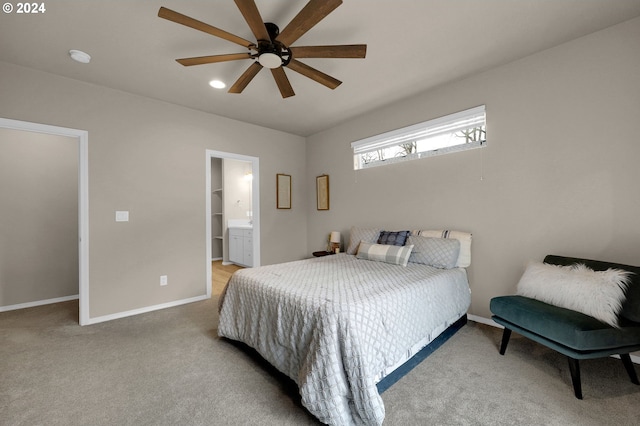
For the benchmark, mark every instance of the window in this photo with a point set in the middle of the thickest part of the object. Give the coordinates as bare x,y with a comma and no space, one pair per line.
454,132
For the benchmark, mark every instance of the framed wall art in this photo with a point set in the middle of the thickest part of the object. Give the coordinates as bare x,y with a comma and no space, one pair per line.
322,192
283,191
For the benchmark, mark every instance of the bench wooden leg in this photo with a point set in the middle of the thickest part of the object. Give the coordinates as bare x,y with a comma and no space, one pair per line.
628,364
574,367
505,340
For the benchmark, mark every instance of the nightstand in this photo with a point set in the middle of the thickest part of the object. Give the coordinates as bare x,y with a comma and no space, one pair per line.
322,253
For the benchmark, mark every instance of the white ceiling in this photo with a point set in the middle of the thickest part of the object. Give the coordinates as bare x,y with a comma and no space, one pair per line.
413,45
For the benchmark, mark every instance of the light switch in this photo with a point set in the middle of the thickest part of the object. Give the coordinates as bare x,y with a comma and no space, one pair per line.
122,216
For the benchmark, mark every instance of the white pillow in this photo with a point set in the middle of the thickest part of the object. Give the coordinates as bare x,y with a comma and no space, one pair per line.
599,294
397,255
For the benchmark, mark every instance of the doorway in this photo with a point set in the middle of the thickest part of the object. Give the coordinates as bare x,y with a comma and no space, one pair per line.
80,137
212,217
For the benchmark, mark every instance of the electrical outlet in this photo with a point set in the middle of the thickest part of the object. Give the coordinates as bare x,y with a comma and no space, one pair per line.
122,216
164,280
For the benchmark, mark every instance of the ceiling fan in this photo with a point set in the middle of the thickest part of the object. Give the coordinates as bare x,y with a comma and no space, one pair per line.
272,48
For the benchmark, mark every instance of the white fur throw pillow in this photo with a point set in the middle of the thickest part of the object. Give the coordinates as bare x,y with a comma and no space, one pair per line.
599,294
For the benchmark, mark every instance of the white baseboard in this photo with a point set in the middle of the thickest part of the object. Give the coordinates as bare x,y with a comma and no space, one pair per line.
483,320
125,314
487,321
38,303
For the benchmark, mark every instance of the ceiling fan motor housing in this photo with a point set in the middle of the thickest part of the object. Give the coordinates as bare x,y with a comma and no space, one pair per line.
272,53
272,29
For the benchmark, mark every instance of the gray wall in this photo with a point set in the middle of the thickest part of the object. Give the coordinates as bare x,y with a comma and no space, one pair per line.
39,211
148,157
559,174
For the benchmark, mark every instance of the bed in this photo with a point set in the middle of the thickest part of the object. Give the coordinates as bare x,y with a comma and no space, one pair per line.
338,324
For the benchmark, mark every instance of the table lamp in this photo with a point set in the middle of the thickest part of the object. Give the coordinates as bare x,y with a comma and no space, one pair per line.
334,242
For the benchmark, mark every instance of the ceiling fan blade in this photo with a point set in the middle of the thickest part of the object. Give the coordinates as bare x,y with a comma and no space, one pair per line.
314,12
340,51
245,78
314,74
283,82
179,18
251,14
200,60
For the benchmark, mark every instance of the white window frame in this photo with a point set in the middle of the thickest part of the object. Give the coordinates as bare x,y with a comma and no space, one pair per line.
448,124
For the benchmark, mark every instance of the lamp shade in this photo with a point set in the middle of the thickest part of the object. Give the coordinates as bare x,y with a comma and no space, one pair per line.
335,237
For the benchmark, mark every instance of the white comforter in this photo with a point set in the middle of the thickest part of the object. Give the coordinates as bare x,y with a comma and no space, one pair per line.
333,323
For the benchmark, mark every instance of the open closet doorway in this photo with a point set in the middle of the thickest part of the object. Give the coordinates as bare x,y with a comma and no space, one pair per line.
34,275
232,210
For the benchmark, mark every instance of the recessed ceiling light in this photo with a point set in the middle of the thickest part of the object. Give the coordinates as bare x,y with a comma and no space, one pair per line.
217,84
80,56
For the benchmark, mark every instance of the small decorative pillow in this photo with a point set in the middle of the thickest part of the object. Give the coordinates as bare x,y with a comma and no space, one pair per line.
397,255
599,294
437,252
369,235
398,238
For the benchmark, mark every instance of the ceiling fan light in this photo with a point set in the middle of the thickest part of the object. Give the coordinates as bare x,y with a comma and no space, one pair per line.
270,60
80,56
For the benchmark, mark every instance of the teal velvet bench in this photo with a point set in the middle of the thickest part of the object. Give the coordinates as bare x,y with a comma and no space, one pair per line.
574,334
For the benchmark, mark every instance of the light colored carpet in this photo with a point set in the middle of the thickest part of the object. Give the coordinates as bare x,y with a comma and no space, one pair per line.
170,368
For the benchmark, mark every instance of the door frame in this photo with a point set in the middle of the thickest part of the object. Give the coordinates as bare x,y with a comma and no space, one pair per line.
82,137
255,205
